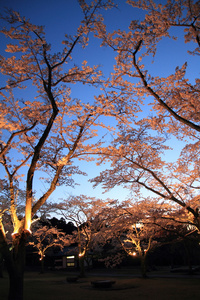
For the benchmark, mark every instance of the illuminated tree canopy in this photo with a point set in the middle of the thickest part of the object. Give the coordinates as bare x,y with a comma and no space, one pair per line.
141,123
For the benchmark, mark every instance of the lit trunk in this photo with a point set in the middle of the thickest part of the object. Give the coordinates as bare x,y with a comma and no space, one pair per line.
81,255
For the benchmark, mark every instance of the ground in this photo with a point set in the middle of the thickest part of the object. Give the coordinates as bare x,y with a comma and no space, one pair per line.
160,285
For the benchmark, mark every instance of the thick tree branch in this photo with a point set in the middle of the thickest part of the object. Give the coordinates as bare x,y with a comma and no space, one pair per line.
157,97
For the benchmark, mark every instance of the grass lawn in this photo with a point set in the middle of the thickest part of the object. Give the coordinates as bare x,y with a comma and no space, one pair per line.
53,286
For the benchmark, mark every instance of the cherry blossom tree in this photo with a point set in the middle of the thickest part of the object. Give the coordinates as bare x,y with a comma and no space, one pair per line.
175,97
137,164
137,153
175,228
42,131
140,225
132,225
45,238
87,215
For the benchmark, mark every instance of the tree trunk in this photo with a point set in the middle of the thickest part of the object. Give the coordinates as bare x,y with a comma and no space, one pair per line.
188,255
15,262
143,265
42,266
1,265
82,267
16,285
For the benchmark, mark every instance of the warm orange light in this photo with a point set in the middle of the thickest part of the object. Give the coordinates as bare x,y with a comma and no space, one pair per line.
15,234
28,210
28,225
132,253
81,254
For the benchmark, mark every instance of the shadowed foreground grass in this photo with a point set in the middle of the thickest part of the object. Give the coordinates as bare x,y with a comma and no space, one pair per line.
53,286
